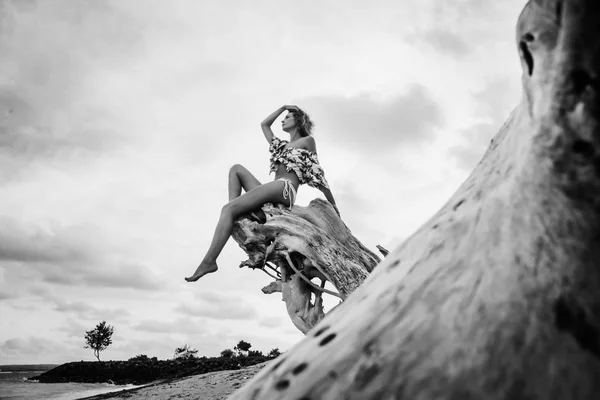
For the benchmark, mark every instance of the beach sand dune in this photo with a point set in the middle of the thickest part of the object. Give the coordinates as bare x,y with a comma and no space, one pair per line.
210,386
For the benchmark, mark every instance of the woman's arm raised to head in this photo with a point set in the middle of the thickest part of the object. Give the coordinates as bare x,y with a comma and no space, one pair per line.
266,124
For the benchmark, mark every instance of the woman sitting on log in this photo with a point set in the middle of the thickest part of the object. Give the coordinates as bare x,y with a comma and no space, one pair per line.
294,162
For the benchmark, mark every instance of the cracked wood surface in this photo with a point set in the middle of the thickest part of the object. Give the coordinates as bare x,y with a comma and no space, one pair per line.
497,295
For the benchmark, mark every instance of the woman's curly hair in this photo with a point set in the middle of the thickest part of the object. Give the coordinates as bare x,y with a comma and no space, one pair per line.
303,122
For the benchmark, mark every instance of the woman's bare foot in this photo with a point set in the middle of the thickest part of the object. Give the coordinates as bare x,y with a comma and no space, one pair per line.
203,269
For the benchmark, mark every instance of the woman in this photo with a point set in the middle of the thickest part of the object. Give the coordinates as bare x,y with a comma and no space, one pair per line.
293,162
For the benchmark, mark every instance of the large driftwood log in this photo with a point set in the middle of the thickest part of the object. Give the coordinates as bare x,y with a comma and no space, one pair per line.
296,246
502,294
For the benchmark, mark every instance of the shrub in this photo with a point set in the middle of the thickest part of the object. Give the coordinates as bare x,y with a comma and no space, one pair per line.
227,353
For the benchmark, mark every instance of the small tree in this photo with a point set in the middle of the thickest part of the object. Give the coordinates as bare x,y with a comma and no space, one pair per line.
242,347
227,353
185,352
99,338
274,353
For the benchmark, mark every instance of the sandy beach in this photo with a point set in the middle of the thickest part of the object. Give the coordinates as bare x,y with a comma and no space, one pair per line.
210,386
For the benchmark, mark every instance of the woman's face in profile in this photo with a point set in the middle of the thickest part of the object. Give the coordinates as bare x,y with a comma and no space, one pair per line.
288,122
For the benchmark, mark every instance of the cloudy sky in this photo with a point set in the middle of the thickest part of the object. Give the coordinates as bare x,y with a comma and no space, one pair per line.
119,121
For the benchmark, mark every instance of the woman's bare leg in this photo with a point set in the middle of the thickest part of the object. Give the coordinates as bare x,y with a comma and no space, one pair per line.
240,178
269,192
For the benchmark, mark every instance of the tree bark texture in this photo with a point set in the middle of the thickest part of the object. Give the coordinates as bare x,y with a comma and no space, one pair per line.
300,245
497,296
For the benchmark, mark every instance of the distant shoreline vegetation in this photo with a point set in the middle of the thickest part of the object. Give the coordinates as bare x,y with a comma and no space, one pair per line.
141,369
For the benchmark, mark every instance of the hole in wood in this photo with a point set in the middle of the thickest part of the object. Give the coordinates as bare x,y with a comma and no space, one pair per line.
299,368
327,339
320,331
282,385
527,57
528,37
460,203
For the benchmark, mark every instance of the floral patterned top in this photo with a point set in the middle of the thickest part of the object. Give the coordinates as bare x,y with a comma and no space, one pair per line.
303,162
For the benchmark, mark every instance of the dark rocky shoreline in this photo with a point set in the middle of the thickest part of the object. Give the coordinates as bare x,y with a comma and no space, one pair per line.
141,372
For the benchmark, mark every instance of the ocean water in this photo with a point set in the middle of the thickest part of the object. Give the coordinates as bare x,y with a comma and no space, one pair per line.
14,385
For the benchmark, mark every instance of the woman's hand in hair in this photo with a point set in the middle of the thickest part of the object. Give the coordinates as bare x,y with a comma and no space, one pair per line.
291,108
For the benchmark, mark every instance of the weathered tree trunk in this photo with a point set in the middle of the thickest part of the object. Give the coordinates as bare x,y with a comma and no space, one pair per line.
295,247
501,299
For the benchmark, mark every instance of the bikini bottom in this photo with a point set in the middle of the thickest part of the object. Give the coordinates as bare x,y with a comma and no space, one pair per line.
289,192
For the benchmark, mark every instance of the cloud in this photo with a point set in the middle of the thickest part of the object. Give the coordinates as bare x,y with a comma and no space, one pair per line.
5,295
180,325
127,274
218,311
52,57
370,125
467,155
271,322
31,346
498,97
49,50
72,255
77,307
459,29
84,311
74,328
442,41
216,306
25,133
111,275
3,273
493,102
19,242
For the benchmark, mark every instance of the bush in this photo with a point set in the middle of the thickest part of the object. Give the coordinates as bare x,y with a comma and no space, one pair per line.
274,353
142,358
185,353
242,348
227,353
